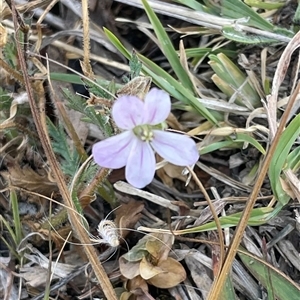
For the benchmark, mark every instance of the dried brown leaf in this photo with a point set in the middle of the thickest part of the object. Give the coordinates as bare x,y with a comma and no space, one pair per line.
172,273
148,270
293,189
127,216
28,179
3,36
159,245
173,122
139,86
129,269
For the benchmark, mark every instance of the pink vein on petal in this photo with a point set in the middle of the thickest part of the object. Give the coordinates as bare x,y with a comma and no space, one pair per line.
127,112
175,148
157,107
114,151
140,166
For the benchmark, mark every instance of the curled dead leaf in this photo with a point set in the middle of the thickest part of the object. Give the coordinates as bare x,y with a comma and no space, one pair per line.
172,273
129,269
148,270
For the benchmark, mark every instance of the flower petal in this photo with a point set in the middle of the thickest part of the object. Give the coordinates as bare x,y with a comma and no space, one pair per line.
128,111
114,151
175,148
157,106
140,166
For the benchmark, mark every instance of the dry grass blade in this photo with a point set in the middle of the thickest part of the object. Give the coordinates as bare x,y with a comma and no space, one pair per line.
216,219
186,14
284,61
128,189
6,12
86,67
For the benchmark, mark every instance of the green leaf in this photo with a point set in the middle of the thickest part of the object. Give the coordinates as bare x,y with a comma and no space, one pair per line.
16,217
76,79
246,38
70,158
228,289
5,100
98,89
258,217
232,79
195,5
167,47
279,159
219,145
201,52
293,161
242,137
90,115
135,66
237,9
282,286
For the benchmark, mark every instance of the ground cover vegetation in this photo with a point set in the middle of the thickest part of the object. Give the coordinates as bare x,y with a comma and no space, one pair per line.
149,149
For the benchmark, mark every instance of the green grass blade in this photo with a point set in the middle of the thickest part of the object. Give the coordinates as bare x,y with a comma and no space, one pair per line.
233,79
167,47
76,79
70,78
228,289
283,287
237,9
287,139
241,137
258,216
245,38
293,161
194,5
219,145
201,52
16,217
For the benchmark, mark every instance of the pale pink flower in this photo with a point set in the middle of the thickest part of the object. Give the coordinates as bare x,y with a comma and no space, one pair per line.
142,122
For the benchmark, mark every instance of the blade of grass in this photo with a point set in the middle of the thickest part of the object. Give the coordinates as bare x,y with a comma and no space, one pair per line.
201,52
16,216
168,48
194,5
283,287
279,159
228,289
73,78
258,216
237,9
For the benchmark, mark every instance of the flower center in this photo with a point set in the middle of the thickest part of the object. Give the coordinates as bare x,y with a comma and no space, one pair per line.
144,132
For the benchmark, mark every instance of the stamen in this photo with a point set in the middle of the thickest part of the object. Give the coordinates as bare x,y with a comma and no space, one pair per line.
144,132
